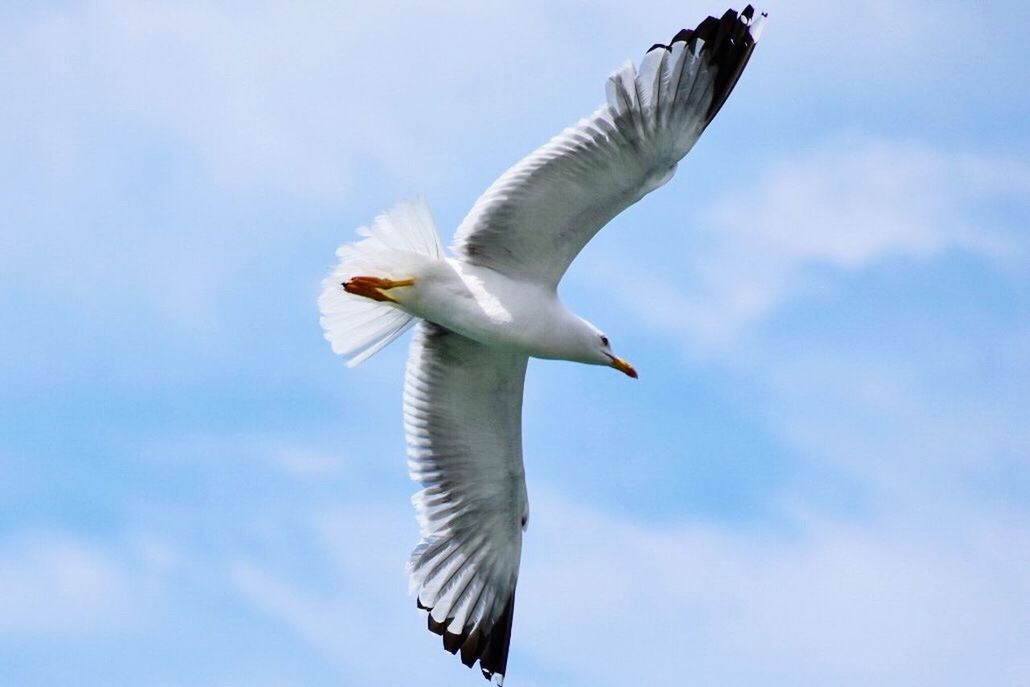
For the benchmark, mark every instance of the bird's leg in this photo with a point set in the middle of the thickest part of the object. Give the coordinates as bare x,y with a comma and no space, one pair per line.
373,287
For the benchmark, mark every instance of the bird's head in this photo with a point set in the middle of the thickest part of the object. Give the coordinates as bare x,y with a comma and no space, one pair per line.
598,351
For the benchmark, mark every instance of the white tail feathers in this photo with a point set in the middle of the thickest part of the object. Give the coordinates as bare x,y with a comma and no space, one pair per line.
359,327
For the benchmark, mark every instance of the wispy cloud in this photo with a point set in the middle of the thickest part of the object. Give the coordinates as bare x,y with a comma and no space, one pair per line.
631,603
306,463
358,615
900,430
834,603
57,585
288,100
846,206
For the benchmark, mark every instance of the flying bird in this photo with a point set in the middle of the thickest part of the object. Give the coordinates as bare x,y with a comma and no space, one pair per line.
484,311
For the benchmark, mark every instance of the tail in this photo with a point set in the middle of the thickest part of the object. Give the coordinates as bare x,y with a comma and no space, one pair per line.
358,327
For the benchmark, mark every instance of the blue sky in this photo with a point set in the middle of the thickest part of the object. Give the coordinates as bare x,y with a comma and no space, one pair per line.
822,476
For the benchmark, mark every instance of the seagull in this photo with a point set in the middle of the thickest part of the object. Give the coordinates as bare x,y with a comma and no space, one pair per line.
484,311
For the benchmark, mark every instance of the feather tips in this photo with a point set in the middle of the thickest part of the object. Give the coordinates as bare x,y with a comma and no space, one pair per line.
462,407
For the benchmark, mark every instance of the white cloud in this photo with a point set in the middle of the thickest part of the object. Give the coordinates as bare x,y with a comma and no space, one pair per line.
359,617
931,438
292,100
304,462
846,206
300,100
606,601
56,585
920,410
317,620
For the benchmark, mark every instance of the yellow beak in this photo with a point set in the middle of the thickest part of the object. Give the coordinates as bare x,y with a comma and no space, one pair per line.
623,366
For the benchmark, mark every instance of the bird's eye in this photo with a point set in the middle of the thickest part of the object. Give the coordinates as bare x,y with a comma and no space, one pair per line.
604,341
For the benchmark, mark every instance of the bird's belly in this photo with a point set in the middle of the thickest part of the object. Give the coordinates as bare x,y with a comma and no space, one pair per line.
483,305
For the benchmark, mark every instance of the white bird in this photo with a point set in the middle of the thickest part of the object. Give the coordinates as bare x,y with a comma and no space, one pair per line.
485,311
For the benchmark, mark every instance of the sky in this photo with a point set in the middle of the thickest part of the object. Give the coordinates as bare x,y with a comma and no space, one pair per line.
821,477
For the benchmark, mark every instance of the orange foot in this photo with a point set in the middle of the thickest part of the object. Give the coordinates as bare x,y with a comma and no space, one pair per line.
373,287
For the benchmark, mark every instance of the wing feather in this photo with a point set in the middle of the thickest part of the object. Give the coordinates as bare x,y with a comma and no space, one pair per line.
534,220
463,418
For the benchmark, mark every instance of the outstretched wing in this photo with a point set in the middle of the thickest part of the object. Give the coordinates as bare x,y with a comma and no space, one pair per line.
533,221
463,418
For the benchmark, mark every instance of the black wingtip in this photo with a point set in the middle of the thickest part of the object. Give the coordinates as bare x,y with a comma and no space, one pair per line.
683,35
727,44
494,659
489,648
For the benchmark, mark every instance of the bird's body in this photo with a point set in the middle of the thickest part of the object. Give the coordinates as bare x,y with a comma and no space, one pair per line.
493,309
485,310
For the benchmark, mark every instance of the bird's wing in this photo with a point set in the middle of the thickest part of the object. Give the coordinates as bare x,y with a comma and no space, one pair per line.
533,221
463,418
